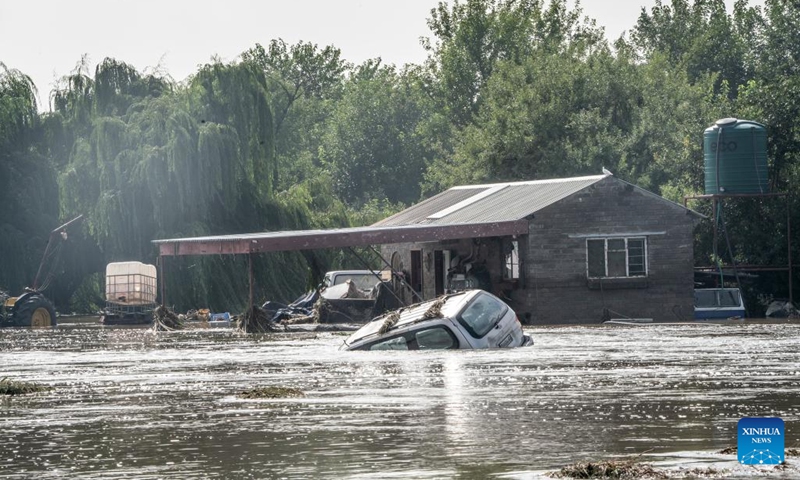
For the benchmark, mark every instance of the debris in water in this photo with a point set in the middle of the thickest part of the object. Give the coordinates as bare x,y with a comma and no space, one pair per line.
15,387
321,309
435,310
627,469
272,392
792,452
709,472
390,321
165,319
256,320
728,451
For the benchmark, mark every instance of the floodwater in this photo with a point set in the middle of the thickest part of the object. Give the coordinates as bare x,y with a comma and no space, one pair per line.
132,403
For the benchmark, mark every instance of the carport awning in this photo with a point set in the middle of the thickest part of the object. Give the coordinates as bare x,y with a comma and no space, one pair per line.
335,238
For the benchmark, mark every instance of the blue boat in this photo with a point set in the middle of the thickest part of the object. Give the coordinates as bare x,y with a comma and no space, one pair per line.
718,303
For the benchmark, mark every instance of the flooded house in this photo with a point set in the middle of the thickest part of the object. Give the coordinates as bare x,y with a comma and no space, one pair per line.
591,249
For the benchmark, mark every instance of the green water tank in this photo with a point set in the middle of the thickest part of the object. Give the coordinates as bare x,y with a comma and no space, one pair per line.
735,155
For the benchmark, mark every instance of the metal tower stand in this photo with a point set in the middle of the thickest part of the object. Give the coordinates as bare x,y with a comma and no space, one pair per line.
715,198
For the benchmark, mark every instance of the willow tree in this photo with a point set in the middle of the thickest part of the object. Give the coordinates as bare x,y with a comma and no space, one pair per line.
155,160
28,194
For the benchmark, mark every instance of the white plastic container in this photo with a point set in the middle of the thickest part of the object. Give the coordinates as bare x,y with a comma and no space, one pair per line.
130,283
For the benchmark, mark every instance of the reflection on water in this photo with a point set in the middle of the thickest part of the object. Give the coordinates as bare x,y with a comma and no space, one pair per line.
128,402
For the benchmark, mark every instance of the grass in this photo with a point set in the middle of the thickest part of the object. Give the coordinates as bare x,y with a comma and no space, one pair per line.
272,392
14,387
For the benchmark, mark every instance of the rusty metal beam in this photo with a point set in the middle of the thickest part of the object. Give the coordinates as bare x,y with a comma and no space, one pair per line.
337,238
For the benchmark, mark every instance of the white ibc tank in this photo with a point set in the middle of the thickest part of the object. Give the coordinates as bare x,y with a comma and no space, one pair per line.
131,283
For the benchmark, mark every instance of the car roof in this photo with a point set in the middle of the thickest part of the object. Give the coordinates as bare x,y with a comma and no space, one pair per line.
413,314
351,272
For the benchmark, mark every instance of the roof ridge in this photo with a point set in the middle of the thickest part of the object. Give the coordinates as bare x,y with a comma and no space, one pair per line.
532,182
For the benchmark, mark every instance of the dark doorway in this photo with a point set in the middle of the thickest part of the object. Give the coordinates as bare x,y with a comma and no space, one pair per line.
416,270
438,272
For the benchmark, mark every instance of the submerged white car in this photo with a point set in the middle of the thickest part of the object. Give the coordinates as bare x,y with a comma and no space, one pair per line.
470,319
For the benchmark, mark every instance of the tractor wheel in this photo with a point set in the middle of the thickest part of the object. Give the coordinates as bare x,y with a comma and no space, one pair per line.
35,311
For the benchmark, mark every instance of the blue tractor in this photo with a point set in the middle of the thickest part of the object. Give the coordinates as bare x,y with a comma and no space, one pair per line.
32,308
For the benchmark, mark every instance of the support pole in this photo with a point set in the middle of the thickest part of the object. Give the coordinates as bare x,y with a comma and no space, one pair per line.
161,259
714,246
789,246
366,265
400,277
250,266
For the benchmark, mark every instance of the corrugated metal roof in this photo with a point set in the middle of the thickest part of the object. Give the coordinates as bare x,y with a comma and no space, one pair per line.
430,206
491,203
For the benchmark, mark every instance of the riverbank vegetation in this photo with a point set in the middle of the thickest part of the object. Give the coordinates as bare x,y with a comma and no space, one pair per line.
293,136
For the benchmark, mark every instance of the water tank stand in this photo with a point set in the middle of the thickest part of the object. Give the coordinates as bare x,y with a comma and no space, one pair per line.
753,268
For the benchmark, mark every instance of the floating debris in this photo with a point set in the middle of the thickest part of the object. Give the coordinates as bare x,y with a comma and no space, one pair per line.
709,472
256,320
390,321
272,392
435,310
321,309
15,387
728,451
793,452
165,320
628,469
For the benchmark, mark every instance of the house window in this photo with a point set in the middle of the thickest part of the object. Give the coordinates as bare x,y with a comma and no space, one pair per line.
511,260
616,257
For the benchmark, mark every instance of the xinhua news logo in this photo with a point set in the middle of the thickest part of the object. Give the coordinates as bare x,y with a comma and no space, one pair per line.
760,441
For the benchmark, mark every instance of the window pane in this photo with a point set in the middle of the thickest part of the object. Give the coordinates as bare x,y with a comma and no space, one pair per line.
705,298
616,264
596,256
616,244
728,298
511,270
482,314
434,338
636,263
397,343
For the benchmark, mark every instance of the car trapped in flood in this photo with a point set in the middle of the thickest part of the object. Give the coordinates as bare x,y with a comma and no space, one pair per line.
465,320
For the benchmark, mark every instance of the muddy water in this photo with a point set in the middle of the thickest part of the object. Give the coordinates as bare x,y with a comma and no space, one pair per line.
130,403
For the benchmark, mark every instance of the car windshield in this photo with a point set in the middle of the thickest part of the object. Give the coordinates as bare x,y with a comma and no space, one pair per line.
482,314
363,281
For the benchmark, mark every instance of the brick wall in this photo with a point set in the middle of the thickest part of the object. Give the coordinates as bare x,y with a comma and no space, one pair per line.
558,290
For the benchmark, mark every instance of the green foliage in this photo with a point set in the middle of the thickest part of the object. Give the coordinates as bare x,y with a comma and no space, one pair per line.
372,146
294,137
28,193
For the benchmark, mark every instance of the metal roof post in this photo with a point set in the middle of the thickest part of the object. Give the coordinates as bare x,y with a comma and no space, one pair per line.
250,266
161,259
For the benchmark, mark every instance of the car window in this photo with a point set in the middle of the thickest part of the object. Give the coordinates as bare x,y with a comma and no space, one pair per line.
482,314
396,343
705,298
728,298
439,338
431,338
363,281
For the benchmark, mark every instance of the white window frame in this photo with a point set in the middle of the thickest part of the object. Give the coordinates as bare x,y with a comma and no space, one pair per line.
511,262
627,256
